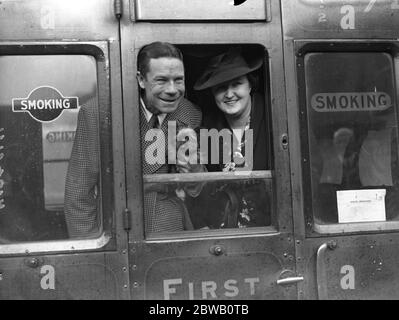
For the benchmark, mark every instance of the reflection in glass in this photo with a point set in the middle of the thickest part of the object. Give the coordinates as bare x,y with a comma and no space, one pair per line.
34,155
226,200
352,122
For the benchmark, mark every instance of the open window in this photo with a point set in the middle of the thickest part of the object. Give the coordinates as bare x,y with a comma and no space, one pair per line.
215,197
351,180
44,88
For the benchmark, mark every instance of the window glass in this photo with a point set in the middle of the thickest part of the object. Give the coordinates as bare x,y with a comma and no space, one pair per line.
207,158
353,138
40,99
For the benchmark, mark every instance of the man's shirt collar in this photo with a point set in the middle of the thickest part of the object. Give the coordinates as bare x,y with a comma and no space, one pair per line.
148,114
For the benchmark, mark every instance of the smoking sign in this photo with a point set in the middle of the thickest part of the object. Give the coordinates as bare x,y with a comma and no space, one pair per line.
351,101
44,104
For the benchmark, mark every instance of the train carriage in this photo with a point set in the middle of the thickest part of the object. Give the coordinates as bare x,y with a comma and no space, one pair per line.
326,193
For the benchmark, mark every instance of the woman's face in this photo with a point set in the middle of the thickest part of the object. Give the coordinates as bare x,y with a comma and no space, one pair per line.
233,97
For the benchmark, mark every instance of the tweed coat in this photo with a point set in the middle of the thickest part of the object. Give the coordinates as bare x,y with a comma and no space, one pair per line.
162,211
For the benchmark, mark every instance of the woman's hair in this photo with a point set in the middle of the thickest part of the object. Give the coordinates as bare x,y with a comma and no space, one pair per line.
253,79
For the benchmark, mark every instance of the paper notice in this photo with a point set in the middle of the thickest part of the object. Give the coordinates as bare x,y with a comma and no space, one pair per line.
361,205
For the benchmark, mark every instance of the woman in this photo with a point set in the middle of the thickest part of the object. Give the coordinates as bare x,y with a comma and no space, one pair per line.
231,81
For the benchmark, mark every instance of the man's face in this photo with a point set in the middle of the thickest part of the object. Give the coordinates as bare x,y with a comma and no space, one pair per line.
163,85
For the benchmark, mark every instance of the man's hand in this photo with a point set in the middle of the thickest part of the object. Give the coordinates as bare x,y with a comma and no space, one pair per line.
188,159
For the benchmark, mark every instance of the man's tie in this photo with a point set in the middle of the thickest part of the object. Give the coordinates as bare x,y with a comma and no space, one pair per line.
154,122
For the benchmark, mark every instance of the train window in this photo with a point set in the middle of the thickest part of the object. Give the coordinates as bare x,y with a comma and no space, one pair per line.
352,119
40,99
215,173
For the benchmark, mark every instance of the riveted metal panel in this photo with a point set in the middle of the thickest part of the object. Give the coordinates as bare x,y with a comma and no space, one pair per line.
82,276
343,19
41,27
246,268
269,251
355,268
49,19
357,264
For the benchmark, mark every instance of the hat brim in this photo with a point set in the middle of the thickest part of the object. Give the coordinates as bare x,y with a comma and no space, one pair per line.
224,76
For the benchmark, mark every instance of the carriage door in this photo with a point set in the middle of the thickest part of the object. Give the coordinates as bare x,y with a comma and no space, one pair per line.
220,234
60,194
346,121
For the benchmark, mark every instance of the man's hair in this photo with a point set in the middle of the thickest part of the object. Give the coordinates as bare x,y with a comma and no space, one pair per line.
156,50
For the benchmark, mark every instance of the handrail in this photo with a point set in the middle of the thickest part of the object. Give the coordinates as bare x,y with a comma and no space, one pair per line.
321,272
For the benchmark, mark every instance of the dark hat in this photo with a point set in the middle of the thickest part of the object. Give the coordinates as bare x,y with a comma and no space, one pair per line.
226,67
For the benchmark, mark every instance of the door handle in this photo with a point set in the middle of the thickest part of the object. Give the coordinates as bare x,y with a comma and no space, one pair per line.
321,269
289,280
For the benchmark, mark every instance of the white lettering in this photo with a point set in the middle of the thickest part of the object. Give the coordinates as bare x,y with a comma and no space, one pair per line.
348,20
189,146
155,153
66,103
47,20
45,104
58,104
209,287
322,17
231,287
40,104
31,104
247,161
252,282
48,280
191,291
187,152
348,280
23,102
215,136
167,290
172,129
166,310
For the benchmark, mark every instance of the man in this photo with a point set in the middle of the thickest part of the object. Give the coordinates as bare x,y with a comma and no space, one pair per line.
161,79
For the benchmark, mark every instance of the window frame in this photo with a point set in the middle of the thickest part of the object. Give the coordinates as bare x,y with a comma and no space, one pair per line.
105,240
265,89
303,47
